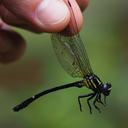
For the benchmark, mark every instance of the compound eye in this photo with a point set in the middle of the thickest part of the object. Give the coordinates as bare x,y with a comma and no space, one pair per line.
105,86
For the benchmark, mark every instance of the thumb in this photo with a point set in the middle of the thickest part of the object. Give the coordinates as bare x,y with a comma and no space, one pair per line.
36,15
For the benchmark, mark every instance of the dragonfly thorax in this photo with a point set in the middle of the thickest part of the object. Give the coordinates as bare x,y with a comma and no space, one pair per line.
94,83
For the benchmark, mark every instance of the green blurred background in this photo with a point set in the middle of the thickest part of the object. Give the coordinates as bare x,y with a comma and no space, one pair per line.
105,35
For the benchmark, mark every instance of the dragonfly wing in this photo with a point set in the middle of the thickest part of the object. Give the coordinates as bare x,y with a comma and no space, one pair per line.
71,54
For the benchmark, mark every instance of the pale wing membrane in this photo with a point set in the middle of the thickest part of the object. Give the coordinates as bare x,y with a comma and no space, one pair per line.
71,54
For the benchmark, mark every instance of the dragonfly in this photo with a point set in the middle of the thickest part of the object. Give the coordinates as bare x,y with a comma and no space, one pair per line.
73,57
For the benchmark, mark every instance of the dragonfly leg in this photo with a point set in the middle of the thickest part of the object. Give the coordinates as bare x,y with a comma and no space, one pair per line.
105,100
83,96
100,100
94,103
90,108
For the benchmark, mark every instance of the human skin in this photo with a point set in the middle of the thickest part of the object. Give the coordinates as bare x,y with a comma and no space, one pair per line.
36,16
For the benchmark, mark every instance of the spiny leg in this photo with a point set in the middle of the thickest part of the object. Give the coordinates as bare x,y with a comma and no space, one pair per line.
105,100
99,100
94,103
90,108
83,96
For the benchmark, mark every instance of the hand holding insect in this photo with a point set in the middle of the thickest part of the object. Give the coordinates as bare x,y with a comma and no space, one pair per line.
38,15
72,56
33,15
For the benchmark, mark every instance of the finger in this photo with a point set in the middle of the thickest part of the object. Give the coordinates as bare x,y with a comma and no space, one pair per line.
12,45
76,19
39,15
83,4
9,17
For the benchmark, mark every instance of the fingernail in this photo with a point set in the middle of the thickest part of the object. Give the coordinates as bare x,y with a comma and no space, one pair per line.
52,11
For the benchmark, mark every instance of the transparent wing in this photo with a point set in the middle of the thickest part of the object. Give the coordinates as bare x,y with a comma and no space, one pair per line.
71,54
70,50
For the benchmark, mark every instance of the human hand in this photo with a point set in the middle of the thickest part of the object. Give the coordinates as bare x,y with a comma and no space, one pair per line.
36,16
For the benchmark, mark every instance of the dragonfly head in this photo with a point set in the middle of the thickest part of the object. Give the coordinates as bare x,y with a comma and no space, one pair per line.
106,89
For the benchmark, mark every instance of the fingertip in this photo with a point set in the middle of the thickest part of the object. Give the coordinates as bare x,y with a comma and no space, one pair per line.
76,19
53,16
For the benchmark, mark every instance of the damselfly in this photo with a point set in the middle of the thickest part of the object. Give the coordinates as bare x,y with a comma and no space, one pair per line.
72,56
